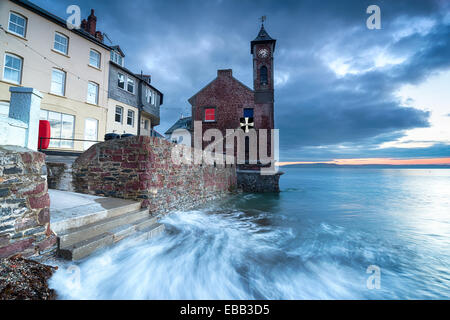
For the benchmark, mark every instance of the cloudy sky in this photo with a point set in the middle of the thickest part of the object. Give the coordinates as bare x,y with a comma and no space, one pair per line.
341,90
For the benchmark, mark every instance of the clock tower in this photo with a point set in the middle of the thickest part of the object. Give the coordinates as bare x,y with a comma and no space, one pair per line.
262,50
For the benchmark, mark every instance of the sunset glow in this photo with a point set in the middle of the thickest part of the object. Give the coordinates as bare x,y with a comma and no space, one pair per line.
381,161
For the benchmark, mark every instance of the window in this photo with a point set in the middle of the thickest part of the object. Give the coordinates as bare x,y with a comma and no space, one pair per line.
61,43
12,70
62,127
121,80
17,24
148,95
90,132
119,114
92,95
58,82
263,75
248,112
210,114
94,58
117,58
130,85
130,118
146,123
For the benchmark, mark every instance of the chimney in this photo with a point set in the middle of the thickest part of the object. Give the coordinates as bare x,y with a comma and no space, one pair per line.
84,25
225,73
91,23
99,36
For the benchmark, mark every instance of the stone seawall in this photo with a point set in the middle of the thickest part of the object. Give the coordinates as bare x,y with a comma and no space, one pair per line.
24,201
141,168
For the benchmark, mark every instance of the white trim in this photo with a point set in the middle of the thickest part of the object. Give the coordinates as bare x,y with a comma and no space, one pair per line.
20,70
24,27
67,44
99,58
63,82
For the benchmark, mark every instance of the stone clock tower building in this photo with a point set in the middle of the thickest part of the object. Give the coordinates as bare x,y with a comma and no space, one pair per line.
225,103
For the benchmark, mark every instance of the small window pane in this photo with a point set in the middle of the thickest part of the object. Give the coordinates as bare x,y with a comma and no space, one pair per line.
17,24
121,81
130,118
130,86
94,59
58,82
92,96
248,113
61,43
210,114
119,112
13,68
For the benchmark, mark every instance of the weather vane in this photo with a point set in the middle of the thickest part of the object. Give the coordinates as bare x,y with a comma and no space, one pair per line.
263,18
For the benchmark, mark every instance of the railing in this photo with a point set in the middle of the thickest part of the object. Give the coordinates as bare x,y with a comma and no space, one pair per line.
64,139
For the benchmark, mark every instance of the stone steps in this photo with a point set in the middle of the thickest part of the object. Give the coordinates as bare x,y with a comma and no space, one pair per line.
74,235
82,215
84,248
87,228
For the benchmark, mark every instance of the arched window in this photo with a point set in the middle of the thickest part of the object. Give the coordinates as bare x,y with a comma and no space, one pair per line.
263,75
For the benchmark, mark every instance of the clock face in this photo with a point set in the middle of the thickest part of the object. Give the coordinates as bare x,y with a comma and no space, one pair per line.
263,53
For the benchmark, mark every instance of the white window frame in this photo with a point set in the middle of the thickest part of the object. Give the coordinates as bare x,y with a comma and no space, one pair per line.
20,70
121,114
62,144
124,80
132,118
63,84
99,58
24,27
115,58
97,92
132,81
56,42
148,95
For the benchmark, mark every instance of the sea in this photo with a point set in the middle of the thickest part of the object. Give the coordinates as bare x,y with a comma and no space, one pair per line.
331,233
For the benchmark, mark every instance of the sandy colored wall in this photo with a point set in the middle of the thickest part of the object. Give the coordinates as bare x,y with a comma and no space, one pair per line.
36,71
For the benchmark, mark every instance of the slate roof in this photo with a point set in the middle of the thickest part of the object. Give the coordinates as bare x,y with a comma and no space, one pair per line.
262,37
182,123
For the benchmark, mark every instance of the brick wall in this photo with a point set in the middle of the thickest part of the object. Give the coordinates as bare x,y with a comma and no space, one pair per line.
24,200
141,168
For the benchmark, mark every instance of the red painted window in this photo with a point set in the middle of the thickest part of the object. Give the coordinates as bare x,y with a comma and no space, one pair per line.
210,114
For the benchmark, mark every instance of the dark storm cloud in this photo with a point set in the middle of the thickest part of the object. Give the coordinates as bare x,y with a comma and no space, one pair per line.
183,43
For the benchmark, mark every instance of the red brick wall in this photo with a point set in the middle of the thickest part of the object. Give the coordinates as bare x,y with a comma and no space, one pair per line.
230,97
141,168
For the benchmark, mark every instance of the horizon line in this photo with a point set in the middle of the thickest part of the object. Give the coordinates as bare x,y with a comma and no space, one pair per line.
373,161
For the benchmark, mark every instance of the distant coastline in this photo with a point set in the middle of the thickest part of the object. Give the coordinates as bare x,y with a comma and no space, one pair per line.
367,166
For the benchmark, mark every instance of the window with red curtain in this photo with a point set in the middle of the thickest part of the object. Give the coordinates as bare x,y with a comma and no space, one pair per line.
210,114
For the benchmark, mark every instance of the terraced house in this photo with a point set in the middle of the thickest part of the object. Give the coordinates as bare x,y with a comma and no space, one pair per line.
71,68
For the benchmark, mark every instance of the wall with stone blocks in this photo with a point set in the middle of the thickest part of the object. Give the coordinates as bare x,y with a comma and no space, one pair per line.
24,203
141,168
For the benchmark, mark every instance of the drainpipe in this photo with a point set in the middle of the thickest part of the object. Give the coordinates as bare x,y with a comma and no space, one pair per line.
140,105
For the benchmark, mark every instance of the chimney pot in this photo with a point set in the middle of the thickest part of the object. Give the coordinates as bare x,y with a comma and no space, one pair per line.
225,73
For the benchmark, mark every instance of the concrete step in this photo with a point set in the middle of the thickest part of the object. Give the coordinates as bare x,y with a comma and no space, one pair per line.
71,236
141,229
85,247
131,228
79,216
150,232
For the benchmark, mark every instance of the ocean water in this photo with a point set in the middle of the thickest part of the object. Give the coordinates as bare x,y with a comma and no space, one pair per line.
331,233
